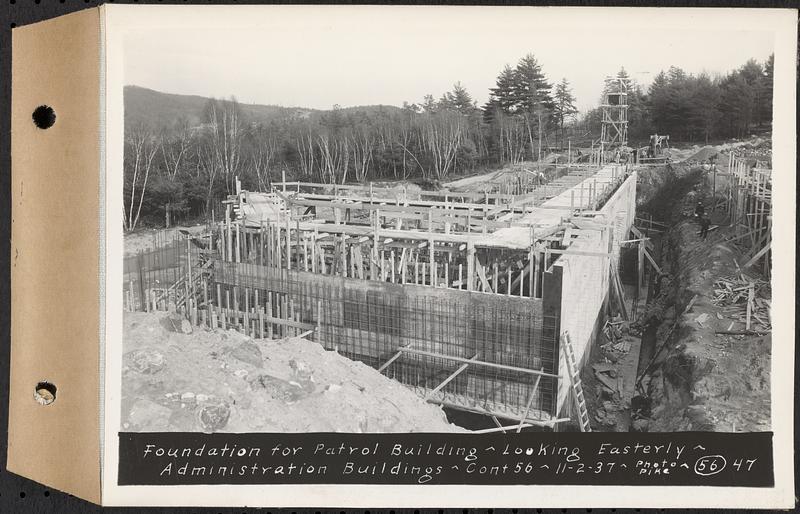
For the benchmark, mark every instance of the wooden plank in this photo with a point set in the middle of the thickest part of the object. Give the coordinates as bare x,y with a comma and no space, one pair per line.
652,261
390,361
478,363
530,402
451,377
482,276
758,255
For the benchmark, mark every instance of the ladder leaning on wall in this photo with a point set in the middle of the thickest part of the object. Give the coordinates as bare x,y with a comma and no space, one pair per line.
575,383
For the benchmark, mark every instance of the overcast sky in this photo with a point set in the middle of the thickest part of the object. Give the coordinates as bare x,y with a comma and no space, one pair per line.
317,57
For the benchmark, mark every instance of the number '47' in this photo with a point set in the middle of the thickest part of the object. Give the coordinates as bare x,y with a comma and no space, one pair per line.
739,462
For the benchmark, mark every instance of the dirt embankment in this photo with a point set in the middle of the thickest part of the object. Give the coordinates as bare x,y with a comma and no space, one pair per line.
224,381
694,378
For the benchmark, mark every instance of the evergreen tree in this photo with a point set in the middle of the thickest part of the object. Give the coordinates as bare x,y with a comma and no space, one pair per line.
429,104
564,105
530,89
502,95
460,100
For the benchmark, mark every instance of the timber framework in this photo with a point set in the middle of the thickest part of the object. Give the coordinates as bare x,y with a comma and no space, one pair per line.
467,298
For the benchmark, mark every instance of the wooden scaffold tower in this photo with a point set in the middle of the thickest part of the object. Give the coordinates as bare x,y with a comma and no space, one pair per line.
614,129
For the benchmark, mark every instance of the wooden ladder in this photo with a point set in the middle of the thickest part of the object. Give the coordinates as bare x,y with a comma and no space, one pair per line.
575,382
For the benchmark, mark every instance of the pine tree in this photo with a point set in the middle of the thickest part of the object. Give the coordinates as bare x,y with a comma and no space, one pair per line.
564,105
502,96
460,100
532,100
530,89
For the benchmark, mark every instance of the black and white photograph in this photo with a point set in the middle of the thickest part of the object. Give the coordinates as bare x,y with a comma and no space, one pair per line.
401,227
422,256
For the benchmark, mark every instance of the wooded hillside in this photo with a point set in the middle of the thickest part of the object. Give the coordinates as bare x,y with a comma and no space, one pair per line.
183,152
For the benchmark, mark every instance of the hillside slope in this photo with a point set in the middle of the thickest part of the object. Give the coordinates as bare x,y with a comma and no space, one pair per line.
155,109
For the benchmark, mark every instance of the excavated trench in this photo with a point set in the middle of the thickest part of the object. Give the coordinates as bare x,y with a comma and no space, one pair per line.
663,193
689,377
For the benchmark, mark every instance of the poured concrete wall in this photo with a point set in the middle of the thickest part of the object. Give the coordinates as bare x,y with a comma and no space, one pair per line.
585,279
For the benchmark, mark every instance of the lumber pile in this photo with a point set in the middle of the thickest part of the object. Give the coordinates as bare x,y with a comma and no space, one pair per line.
744,299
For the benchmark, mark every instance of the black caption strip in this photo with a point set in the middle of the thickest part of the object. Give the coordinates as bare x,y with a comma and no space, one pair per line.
688,458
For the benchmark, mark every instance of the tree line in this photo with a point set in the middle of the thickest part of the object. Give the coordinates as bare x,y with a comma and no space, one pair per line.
182,170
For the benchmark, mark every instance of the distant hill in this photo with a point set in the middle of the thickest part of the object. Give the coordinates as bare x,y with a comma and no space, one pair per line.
157,109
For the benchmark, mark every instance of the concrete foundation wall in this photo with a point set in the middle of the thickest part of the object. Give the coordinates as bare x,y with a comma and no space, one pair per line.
585,279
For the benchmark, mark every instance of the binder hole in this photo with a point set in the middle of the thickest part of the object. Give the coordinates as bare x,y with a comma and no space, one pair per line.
45,393
44,117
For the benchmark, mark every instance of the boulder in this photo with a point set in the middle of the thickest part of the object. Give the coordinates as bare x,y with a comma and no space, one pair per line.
248,352
213,416
146,361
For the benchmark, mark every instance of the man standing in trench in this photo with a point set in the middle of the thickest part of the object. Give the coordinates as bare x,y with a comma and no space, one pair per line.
704,223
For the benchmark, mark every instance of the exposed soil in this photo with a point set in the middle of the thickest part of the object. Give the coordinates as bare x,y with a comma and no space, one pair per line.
217,380
149,239
698,380
690,377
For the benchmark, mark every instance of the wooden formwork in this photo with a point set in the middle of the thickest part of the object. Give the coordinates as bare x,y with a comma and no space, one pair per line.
748,203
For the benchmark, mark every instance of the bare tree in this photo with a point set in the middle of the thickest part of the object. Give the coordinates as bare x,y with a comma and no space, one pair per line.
362,145
174,148
304,145
227,132
334,158
442,135
140,148
265,148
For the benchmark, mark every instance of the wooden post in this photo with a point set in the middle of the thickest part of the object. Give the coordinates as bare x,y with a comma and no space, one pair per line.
314,251
531,266
403,265
238,245
470,265
318,333
268,311
640,269
189,284
288,242
226,310
228,236
375,241
431,258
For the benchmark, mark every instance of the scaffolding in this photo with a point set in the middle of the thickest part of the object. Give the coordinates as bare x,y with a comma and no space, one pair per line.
747,201
614,126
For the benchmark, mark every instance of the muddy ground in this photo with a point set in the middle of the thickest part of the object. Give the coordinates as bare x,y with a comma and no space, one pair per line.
224,381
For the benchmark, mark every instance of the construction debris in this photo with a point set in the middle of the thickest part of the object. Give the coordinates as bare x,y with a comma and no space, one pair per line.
744,299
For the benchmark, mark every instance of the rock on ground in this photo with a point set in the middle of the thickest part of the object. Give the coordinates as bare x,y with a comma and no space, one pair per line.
216,380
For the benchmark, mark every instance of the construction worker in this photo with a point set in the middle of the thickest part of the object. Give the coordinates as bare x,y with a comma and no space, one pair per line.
699,210
704,224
